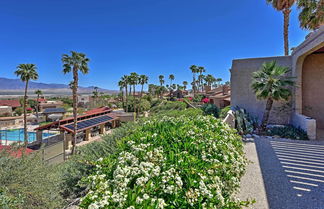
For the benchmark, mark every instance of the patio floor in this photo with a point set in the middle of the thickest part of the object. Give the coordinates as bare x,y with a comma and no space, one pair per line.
285,174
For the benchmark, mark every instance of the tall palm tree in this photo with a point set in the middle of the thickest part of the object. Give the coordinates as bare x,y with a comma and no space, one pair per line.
121,85
285,7
271,84
38,92
194,70
125,81
134,81
311,16
209,79
201,70
74,63
171,77
185,83
129,82
26,72
161,80
95,95
143,79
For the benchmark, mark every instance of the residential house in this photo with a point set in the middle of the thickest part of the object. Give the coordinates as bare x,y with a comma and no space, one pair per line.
306,107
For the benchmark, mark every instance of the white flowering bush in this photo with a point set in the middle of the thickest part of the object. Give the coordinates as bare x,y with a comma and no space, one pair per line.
183,162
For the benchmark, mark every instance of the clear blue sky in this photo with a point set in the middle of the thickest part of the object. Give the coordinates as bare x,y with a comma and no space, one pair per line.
150,37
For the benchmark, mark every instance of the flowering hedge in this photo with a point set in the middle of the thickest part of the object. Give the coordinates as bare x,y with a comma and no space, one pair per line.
183,162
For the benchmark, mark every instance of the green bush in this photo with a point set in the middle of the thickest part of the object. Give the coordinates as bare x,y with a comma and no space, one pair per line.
79,165
144,105
19,111
288,132
197,98
224,112
210,109
169,105
27,182
173,162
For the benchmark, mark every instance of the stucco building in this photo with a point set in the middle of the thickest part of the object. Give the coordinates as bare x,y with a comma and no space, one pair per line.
306,107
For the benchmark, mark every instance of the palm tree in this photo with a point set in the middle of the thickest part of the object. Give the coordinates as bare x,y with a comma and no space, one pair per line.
219,80
124,81
171,77
121,85
38,92
75,63
311,16
285,7
194,70
209,79
95,95
26,72
134,78
201,70
270,83
143,79
161,80
185,83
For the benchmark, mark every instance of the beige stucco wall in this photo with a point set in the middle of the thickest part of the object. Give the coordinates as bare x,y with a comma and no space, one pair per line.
242,94
313,88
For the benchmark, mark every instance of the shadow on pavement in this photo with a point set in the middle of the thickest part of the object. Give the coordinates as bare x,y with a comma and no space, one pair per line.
293,173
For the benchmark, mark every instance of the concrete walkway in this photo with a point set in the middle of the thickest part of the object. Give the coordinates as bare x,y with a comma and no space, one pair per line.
285,174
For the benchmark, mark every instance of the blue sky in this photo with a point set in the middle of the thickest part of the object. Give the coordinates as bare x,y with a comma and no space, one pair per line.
149,37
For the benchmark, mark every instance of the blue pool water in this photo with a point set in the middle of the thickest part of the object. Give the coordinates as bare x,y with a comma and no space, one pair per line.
18,135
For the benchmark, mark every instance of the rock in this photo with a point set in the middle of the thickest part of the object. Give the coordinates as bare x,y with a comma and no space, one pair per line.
249,136
230,119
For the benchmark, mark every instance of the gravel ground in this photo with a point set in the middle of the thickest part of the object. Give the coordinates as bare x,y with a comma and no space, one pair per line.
285,174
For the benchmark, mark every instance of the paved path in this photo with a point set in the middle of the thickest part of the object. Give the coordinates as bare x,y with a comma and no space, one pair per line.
285,174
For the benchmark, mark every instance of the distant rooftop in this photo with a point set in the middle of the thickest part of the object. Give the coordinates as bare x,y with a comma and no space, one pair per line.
11,103
54,110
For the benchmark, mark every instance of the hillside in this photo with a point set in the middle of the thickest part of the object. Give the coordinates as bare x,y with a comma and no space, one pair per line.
16,86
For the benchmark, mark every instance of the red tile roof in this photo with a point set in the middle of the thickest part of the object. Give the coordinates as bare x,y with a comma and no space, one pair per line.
97,110
11,103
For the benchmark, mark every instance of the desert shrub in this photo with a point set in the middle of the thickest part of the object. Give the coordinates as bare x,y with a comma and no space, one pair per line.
169,105
287,132
210,109
244,122
173,162
27,182
224,111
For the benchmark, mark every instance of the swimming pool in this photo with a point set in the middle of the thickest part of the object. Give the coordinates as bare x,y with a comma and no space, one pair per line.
18,135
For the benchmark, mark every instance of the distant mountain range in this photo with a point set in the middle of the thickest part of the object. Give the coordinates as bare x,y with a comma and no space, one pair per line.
16,85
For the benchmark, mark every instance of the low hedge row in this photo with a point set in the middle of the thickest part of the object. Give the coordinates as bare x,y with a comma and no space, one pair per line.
172,162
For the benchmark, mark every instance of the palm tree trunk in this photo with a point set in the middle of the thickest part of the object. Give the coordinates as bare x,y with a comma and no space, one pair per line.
37,108
266,115
122,95
75,108
126,98
25,117
134,104
140,100
286,14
